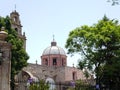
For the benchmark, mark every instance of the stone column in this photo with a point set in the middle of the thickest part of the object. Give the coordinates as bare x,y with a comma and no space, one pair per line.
5,61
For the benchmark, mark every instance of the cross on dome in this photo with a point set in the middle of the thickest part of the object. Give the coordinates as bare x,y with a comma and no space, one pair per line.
15,7
53,43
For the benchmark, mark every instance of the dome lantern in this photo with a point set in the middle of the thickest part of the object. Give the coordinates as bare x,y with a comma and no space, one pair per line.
53,43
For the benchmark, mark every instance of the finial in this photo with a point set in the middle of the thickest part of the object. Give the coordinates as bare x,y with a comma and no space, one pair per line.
3,34
15,7
23,33
53,43
3,28
73,64
53,38
36,61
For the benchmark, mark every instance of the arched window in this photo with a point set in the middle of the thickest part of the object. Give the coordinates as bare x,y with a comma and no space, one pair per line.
54,61
46,62
15,19
63,62
74,75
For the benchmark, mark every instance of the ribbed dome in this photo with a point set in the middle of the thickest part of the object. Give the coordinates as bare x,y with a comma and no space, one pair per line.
53,49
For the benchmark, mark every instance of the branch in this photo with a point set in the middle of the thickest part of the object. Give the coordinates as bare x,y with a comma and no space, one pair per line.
114,2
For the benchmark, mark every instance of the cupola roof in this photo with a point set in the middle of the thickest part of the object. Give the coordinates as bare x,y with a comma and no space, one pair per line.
54,49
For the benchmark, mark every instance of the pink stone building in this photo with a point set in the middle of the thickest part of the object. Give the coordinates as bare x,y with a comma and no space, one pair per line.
53,66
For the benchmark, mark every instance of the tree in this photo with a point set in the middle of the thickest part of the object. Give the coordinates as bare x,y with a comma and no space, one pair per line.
81,85
99,46
19,56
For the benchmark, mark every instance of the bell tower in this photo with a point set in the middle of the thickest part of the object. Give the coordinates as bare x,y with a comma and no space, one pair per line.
16,24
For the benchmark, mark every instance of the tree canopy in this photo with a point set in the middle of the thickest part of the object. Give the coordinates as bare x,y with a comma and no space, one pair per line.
99,46
114,2
19,56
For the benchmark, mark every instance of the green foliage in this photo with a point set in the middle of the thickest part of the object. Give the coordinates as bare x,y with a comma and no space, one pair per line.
99,46
41,85
86,73
81,85
19,56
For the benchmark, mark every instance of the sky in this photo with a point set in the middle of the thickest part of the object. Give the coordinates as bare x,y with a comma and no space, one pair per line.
41,19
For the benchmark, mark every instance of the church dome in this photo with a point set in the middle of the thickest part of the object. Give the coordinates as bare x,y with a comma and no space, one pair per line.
54,49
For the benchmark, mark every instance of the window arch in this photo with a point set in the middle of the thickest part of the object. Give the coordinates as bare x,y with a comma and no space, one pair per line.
46,61
54,61
74,75
15,19
63,63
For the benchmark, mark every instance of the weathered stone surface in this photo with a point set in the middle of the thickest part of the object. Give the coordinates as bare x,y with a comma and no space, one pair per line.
5,67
